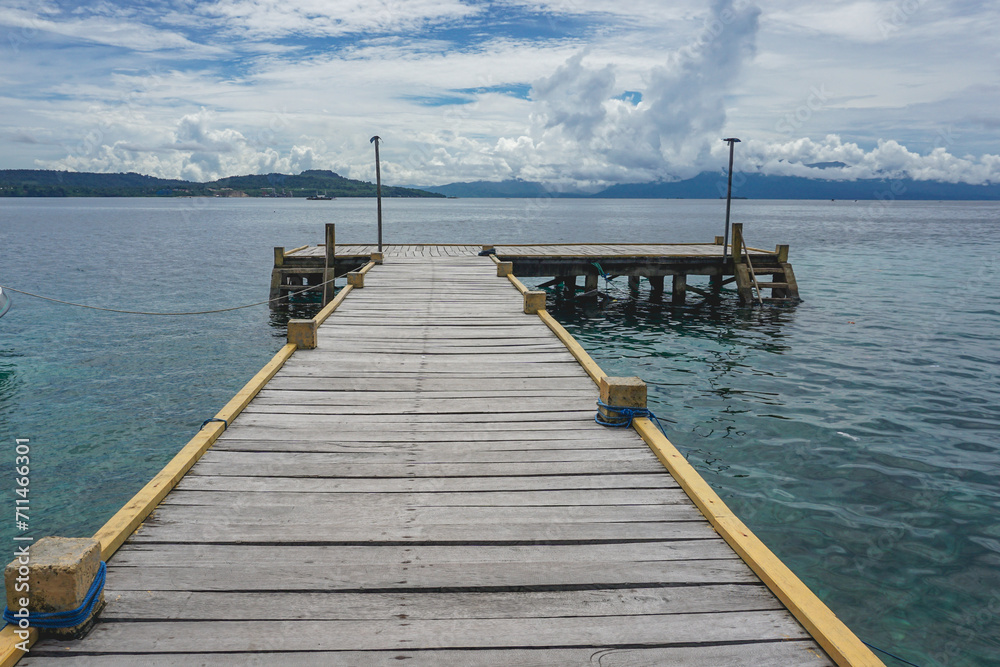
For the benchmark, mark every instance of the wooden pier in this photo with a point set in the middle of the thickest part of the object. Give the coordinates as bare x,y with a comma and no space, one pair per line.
570,263
427,486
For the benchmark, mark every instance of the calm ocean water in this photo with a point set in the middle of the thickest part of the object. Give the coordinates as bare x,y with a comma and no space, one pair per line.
856,433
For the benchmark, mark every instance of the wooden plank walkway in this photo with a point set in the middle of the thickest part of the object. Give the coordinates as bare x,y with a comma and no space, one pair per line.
429,487
528,250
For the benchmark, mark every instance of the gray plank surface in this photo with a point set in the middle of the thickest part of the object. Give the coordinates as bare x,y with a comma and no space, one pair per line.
429,487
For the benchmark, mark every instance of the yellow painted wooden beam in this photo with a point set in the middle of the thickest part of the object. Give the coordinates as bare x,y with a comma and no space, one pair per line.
9,652
114,533
332,306
842,645
301,247
517,283
580,354
367,267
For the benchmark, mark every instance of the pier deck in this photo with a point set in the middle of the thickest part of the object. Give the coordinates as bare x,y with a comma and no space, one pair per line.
428,486
569,262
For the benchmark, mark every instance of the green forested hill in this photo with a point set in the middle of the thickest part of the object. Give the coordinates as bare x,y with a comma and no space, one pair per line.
44,183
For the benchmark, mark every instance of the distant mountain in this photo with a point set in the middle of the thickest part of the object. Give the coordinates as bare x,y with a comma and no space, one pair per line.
500,189
312,181
43,183
709,185
758,186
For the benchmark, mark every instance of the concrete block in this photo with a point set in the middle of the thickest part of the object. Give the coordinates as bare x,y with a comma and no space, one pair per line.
504,269
302,333
534,301
356,279
627,392
59,572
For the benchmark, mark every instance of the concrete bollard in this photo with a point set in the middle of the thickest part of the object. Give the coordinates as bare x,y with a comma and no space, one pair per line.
619,392
356,279
504,269
378,257
54,575
534,301
302,333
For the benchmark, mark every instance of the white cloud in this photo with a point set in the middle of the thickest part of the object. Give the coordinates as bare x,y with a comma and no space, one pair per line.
109,31
277,18
889,159
305,83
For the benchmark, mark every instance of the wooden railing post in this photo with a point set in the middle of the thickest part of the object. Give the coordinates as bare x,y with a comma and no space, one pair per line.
737,242
328,267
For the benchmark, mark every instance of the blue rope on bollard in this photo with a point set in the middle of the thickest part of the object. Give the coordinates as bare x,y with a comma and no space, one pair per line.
629,414
66,619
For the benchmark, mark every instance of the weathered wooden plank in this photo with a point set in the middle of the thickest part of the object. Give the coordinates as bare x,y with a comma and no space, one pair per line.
395,514
300,464
593,482
651,630
280,574
494,499
161,529
453,450
783,653
307,605
306,433
387,455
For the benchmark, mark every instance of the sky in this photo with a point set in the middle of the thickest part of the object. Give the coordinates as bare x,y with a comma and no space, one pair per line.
572,93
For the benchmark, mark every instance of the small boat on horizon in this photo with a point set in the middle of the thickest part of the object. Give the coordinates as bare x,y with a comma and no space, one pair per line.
320,197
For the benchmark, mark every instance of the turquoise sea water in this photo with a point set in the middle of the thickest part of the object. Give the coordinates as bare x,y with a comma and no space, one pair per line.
855,433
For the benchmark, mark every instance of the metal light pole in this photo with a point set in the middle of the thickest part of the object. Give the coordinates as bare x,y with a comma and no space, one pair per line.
729,196
378,187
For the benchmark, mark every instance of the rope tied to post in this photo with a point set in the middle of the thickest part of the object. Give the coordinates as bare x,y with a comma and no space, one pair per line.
70,618
225,424
307,288
628,414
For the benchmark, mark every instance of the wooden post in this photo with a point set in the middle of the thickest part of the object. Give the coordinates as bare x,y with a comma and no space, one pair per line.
356,279
744,286
782,251
302,333
534,301
279,261
590,282
792,291
679,288
633,284
54,575
719,240
619,392
504,269
655,284
737,242
378,257
329,268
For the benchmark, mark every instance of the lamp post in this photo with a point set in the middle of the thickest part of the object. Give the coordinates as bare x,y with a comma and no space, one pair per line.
378,188
729,197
